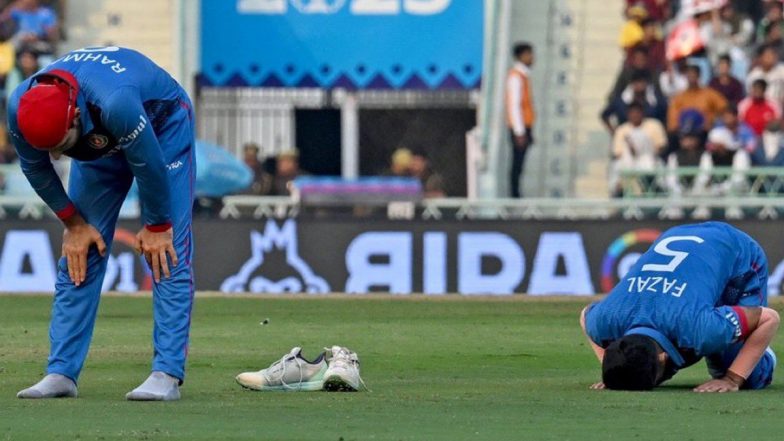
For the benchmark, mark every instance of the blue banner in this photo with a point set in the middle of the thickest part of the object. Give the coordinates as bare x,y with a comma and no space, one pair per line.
352,44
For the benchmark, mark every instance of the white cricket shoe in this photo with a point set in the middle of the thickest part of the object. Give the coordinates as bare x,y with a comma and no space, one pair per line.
343,372
291,373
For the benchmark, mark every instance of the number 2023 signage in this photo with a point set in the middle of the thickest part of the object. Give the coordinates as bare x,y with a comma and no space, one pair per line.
351,44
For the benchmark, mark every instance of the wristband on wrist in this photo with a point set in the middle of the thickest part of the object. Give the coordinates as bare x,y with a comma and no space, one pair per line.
158,228
66,212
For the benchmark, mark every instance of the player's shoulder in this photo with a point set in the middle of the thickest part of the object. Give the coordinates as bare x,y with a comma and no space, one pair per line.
706,230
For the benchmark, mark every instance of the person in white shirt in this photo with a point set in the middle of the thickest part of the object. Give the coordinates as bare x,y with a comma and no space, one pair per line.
520,113
771,70
637,145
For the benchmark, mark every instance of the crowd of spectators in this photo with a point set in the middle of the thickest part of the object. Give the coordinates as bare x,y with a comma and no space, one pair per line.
29,33
701,85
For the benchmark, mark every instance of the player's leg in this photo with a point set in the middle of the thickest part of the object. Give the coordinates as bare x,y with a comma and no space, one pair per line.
173,296
98,190
760,377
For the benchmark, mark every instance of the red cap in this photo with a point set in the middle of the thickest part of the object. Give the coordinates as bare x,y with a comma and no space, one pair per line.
47,110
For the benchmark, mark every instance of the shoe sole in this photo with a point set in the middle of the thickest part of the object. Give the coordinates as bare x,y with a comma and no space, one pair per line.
336,383
309,386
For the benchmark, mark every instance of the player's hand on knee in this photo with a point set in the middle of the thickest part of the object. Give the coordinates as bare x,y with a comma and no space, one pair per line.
156,247
720,385
77,239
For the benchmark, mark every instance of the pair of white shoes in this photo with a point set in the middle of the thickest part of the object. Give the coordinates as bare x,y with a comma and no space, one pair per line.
337,369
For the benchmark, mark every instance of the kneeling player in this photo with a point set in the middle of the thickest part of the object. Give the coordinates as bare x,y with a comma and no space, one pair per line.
699,291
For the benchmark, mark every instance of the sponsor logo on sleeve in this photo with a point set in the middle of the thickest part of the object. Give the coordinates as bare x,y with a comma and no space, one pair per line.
136,132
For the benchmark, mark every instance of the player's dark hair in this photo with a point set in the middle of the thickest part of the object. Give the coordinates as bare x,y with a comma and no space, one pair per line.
631,363
522,48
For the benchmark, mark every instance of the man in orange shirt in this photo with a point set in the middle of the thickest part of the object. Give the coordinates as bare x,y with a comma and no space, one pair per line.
708,102
520,110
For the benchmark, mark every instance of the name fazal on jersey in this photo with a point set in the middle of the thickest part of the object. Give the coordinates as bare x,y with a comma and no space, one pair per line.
656,285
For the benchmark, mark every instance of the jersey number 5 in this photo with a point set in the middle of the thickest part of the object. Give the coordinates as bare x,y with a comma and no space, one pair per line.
677,256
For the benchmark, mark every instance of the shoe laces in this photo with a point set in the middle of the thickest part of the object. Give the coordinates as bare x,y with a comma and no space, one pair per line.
276,372
346,359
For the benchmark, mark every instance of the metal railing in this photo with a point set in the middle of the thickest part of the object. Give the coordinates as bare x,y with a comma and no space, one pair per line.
758,194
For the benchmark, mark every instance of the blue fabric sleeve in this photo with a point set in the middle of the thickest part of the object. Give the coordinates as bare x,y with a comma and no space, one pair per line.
125,117
37,166
717,329
598,326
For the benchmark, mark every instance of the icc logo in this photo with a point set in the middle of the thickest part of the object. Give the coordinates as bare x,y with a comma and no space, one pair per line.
275,239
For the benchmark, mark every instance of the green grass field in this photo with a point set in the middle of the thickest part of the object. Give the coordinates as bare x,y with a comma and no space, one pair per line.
444,369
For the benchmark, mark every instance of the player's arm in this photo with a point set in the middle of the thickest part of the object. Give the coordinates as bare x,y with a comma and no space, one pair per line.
758,325
127,120
597,350
37,168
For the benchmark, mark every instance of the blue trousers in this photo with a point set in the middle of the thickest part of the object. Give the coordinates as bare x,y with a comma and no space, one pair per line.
98,189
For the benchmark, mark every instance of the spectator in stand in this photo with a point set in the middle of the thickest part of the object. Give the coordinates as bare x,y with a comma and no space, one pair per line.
637,62
727,85
715,33
7,152
741,26
771,70
520,111
637,144
652,44
773,18
641,92
632,32
7,58
250,155
723,151
673,80
757,110
26,66
659,10
400,164
743,133
769,152
704,100
688,154
37,25
286,171
432,182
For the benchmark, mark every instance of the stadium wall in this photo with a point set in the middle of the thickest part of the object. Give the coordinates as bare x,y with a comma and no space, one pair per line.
362,256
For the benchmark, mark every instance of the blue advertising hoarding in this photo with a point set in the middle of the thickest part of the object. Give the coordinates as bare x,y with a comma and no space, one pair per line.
352,44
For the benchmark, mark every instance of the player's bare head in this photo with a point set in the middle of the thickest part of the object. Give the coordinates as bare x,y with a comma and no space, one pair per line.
48,113
632,363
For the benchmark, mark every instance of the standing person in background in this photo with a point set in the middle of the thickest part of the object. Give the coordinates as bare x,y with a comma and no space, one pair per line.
769,69
704,100
250,156
757,110
520,111
432,182
37,25
26,66
724,83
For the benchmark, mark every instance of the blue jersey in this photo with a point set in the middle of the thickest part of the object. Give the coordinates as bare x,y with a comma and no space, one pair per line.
127,105
686,288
